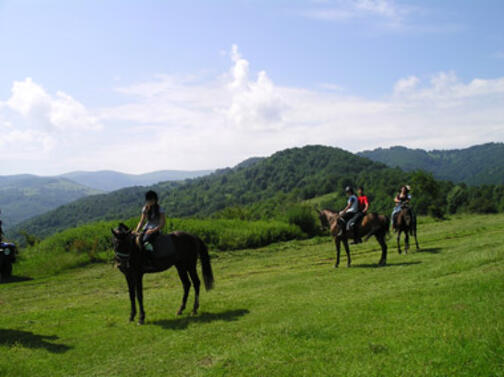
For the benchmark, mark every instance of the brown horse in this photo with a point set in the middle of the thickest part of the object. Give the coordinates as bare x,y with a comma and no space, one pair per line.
406,222
372,225
132,261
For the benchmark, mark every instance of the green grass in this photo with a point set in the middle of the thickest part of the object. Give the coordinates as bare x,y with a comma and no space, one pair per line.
278,311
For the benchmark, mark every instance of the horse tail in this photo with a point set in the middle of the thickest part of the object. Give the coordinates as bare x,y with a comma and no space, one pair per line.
205,265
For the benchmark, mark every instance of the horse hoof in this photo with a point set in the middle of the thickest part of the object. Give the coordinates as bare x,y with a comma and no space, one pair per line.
140,322
336,266
194,312
179,312
349,265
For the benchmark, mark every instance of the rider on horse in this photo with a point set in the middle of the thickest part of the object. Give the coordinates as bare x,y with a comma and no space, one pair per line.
350,214
153,216
402,199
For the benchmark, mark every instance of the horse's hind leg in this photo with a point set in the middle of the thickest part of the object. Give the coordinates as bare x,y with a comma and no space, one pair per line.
406,242
338,250
186,284
196,282
381,240
416,240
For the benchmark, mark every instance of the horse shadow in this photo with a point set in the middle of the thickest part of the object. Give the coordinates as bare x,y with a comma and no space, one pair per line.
16,279
183,323
30,340
376,265
432,250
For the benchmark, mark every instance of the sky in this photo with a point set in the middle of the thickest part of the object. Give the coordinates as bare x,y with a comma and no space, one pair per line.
139,86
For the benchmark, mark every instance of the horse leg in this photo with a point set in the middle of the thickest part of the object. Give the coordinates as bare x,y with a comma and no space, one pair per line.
196,282
406,242
399,241
186,284
338,249
131,289
381,240
416,240
139,292
347,250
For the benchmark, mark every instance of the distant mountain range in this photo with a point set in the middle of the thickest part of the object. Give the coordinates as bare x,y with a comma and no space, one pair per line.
477,165
107,180
261,186
299,172
24,196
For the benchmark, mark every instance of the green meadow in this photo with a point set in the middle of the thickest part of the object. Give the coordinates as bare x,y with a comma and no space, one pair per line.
280,310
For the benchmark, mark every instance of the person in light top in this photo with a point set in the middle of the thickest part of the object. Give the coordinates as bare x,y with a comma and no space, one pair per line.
152,220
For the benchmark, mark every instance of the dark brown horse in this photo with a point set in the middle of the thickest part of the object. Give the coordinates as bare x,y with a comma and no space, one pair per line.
132,262
372,225
405,222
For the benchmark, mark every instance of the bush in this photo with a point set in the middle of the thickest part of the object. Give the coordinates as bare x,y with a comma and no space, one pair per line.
303,217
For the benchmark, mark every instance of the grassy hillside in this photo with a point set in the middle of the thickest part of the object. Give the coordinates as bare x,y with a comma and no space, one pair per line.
477,165
268,188
290,175
107,180
278,311
25,196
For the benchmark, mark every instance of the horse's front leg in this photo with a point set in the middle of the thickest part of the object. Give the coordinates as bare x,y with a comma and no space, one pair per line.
131,289
139,292
399,241
347,250
338,249
406,242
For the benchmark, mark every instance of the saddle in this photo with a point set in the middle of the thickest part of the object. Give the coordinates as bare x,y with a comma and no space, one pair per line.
163,246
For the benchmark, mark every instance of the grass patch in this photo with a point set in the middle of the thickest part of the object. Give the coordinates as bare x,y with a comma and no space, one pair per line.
277,311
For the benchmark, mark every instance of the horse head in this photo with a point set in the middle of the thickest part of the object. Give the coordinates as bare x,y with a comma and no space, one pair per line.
124,243
329,220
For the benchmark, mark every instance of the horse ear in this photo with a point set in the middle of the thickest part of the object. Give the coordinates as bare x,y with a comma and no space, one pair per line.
123,226
114,232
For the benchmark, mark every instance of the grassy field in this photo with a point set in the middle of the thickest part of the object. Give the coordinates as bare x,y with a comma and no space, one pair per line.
277,311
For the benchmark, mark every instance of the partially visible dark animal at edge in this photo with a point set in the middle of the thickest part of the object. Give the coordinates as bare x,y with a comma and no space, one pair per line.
405,222
131,260
8,252
372,225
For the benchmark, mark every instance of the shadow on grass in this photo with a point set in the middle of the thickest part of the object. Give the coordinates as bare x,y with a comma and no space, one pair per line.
31,340
16,279
432,250
183,322
376,265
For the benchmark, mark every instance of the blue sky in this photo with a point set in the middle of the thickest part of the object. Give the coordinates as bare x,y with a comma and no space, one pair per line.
138,86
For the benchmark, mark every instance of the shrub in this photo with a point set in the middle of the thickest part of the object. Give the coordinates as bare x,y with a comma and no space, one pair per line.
303,217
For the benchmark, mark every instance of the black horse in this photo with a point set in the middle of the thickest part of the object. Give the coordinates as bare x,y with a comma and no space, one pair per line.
132,261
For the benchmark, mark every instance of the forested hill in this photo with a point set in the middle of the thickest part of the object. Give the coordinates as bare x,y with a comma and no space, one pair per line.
24,196
477,165
107,180
300,172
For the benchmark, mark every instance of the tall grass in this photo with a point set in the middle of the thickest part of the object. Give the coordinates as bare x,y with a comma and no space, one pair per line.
92,243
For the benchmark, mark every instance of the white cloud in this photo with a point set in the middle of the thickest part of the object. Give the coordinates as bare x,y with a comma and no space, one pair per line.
405,85
58,113
203,124
191,122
